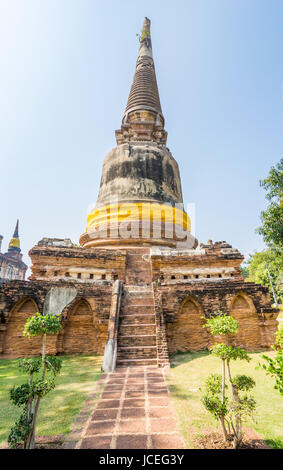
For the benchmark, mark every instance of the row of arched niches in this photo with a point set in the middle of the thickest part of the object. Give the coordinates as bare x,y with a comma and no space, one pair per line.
83,332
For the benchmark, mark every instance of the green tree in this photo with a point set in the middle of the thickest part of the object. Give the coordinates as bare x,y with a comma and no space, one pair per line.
256,267
230,412
28,395
274,366
272,218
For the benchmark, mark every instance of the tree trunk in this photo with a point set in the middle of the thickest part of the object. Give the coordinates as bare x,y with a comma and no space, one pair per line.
225,434
32,434
31,440
238,431
43,356
224,430
223,380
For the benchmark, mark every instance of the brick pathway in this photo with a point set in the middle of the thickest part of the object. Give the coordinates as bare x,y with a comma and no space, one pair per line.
134,412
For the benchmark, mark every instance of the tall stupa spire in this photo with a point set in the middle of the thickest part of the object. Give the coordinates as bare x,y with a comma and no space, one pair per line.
144,91
140,197
143,119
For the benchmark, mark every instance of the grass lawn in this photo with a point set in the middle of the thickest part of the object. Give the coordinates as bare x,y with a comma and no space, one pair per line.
188,373
280,316
60,408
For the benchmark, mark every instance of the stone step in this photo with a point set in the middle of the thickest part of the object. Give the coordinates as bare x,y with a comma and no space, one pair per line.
141,340
136,289
136,330
136,319
135,302
131,287
141,280
138,296
141,352
139,277
136,362
138,266
137,310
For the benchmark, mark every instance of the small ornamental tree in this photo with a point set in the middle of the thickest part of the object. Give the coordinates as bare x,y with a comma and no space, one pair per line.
28,395
230,412
274,366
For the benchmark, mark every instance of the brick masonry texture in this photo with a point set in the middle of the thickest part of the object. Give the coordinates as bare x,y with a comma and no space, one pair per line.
132,424
165,295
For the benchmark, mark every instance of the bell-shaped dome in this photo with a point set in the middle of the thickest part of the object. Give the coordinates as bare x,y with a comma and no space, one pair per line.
140,197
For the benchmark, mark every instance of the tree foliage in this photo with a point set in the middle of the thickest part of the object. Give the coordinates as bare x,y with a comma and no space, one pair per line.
274,366
39,325
30,365
256,267
143,35
21,429
272,218
221,324
228,353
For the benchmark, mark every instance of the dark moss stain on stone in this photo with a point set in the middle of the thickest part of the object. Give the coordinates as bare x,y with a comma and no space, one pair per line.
143,165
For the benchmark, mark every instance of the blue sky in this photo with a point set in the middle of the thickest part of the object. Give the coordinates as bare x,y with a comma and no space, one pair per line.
66,70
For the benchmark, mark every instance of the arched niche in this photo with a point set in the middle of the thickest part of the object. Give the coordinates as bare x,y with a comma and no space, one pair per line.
249,334
186,332
15,344
79,334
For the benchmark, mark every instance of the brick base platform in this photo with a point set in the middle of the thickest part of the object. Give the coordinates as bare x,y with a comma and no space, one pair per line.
134,412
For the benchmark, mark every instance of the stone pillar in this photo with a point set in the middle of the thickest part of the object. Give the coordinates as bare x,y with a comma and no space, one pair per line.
110,352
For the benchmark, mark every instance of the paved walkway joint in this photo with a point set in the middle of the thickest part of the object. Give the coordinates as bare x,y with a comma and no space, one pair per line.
134,412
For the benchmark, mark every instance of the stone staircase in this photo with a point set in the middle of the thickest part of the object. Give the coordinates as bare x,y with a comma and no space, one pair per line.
137,326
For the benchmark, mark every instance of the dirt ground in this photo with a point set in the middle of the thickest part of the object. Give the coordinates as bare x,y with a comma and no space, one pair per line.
43,442
211,439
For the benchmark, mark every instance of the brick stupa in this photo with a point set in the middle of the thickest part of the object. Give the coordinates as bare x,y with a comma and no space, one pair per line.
138,286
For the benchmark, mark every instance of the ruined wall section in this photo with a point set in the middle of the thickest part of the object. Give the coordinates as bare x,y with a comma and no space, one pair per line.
195,283
75,264
211,262
185,304
85,319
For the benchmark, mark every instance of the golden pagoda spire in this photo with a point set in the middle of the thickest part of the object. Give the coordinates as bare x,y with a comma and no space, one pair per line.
14,245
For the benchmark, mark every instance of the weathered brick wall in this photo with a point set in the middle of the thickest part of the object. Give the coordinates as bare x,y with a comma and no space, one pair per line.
85,320
59,264
184,305
14,341
179,302
80,335
186,332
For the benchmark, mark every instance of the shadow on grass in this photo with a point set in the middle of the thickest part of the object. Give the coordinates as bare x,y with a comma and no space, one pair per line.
179,392
179,357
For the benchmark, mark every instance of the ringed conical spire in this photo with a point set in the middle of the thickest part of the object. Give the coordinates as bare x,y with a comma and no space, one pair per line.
14,245
143,119
144,93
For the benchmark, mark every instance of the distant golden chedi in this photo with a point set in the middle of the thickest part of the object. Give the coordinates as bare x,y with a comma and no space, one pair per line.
14,242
